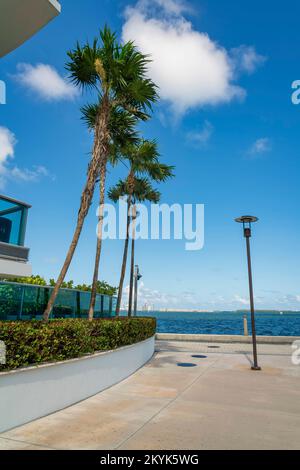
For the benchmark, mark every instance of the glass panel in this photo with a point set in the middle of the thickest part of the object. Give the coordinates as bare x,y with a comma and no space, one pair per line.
84,304
33,302
65,304
27,302
10,301
113,306
106,305
12,222
98,307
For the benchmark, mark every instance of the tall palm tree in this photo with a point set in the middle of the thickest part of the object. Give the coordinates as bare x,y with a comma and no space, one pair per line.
160,172
117,73
122,132
139,192
143,160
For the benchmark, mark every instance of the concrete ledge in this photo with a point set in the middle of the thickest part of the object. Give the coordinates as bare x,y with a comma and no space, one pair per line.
33,392
226,338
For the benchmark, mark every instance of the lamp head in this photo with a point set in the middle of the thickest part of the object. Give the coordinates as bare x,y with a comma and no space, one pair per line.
247,220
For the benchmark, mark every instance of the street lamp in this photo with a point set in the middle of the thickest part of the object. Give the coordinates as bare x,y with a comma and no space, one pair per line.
137,277
247,220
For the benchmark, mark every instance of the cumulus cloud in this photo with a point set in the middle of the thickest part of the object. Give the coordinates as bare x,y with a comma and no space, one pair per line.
191,300
246,59
7,145
173,7
241,300
46,82
8,142
260,146
190,68
28,175
201,136
157,299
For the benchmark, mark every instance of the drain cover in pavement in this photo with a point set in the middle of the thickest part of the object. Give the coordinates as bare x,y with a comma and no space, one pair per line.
199,356
213,347
186,364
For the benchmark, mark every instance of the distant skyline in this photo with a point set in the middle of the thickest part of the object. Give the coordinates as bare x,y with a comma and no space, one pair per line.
226,120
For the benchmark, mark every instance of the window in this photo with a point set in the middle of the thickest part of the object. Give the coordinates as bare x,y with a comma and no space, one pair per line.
13,217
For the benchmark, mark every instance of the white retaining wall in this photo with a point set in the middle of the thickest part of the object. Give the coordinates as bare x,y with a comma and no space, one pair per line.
33,392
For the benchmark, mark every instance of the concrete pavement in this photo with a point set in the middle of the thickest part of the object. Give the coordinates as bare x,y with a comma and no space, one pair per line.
217,404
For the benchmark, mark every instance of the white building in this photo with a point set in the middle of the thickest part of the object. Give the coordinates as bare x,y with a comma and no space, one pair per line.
13,253
19,21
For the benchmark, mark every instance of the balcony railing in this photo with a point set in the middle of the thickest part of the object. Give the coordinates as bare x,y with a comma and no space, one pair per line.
13,220
27,302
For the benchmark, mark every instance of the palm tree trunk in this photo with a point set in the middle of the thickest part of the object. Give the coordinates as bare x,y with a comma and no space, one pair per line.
100,149
124,261
99,239
132,261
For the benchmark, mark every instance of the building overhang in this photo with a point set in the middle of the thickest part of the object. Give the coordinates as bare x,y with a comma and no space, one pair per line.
19,20
11,269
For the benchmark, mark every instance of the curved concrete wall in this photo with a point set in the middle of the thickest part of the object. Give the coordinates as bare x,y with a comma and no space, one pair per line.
31,393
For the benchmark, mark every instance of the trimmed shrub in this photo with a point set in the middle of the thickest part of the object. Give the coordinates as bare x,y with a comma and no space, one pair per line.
34,342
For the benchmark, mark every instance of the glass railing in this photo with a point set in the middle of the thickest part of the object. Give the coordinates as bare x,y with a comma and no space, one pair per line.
13,219
27,302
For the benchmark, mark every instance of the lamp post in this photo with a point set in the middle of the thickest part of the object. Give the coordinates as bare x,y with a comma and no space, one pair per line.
137,277
247,220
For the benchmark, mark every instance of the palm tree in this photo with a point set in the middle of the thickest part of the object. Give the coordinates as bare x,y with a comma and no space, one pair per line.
160,172
122,132
117,73
140,191
143,159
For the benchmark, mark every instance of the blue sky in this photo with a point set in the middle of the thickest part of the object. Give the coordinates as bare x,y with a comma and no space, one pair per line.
226,120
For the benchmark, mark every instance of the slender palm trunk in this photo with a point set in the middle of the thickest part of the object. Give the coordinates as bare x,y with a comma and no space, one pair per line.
124,261
99,239
132,261
100,149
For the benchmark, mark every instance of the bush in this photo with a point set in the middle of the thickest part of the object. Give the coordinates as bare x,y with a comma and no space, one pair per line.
34,342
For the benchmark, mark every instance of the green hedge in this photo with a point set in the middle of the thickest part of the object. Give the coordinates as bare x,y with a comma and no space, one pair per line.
35,342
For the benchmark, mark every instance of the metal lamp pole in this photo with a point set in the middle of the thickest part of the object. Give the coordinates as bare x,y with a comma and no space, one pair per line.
247,220
137,277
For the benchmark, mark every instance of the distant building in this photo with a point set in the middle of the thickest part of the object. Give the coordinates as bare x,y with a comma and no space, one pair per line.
21,19
13,253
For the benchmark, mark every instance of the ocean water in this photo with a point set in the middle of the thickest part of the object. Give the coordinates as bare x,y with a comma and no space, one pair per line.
226,323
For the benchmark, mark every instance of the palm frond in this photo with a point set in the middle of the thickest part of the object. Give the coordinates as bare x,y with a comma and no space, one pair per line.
142,191
81,67
89,114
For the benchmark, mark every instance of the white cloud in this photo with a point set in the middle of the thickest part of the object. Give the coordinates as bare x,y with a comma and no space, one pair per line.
241,300
7,145
174,7
46,82
8,142
28,175
158,299
260,146
190,68
246,59
202,136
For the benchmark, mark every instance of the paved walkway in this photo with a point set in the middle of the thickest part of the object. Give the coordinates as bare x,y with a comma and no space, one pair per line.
217,404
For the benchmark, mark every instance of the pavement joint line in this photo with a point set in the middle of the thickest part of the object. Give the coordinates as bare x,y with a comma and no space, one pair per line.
27,442
170,402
